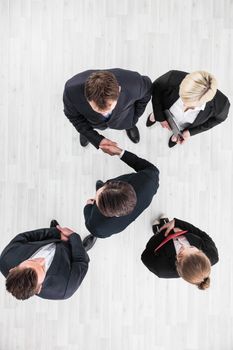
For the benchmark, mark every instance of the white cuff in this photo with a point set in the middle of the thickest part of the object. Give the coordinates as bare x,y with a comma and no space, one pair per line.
122,152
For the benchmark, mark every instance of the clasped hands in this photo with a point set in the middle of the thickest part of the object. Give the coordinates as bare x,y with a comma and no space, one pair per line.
169,226
110,147
185,133
65,232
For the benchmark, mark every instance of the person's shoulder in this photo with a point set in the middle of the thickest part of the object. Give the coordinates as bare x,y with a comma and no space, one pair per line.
176,76
220,100
78,80
126,77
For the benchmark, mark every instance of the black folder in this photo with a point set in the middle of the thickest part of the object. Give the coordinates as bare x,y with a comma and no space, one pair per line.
174,127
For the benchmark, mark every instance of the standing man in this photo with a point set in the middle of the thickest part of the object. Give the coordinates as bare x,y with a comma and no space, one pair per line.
50,263
119,201
113,98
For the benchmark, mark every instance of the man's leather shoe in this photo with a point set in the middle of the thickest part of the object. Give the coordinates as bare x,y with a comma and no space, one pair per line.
83,140
54,223
88,242
98,184
171,143
133,134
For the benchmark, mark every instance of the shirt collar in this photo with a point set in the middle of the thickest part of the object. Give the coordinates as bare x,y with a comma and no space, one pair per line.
198,108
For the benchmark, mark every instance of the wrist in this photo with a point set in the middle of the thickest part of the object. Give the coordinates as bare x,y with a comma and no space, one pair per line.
119,151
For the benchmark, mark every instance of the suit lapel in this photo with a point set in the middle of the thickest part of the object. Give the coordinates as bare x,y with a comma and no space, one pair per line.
194,240
203,115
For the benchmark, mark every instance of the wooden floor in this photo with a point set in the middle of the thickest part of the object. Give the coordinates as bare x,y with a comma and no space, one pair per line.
45,174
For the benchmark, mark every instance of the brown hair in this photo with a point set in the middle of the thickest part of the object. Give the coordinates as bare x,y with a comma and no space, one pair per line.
195,267
22,282
101,87
118,198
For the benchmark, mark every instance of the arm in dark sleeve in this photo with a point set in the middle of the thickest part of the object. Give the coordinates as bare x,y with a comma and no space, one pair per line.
80,122
145,95
37,235
79,265
213,121
149,258
158,88
87,214
140,164
206,239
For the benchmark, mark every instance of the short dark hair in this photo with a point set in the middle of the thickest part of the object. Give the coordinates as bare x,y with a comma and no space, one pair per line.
100,87
118,198
22,282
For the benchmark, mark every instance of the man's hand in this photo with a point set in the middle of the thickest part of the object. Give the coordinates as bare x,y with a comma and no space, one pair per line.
65,232
169,226
112,150
105,144
90,201
186,136
165,125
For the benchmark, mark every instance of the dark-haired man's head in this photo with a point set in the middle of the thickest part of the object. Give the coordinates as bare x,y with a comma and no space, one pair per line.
102,91
25,280
116,198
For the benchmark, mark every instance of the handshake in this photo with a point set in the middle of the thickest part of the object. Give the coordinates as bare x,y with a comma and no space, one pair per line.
110,147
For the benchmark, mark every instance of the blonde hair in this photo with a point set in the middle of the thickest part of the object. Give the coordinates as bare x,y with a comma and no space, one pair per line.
199,86
195,267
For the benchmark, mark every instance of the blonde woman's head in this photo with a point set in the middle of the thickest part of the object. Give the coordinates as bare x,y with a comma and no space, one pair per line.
198,88
194,267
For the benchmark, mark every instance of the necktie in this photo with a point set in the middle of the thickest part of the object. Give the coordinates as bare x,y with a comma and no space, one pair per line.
168,238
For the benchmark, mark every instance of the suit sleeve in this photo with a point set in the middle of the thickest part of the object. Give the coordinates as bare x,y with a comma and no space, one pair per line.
140,164
211,122
145,95
37,235
80,122
87,214
148,256
158,87
79,265
206,239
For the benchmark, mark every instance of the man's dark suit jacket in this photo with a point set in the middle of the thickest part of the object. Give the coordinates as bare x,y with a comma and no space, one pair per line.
145,183
163,262
134,95
67,270
165,92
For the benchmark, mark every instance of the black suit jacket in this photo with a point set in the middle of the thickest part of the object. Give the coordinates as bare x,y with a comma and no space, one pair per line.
165,92
163,262
68,268
145,183
134,95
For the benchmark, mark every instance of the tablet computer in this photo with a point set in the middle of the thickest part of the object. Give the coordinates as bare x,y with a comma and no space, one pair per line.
173,125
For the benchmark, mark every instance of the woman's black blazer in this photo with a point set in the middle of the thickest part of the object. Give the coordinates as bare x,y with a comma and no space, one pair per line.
165,92
163,262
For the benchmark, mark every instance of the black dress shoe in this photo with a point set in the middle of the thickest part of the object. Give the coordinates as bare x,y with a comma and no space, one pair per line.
171,143
163,221
133,134
88,242
149,122
155,229
54,223
98,184
83,140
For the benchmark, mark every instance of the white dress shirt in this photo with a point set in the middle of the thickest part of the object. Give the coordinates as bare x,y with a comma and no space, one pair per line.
184,119
47,252
179,242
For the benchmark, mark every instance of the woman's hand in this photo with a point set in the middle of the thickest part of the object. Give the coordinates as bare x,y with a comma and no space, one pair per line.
165,125
169,226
